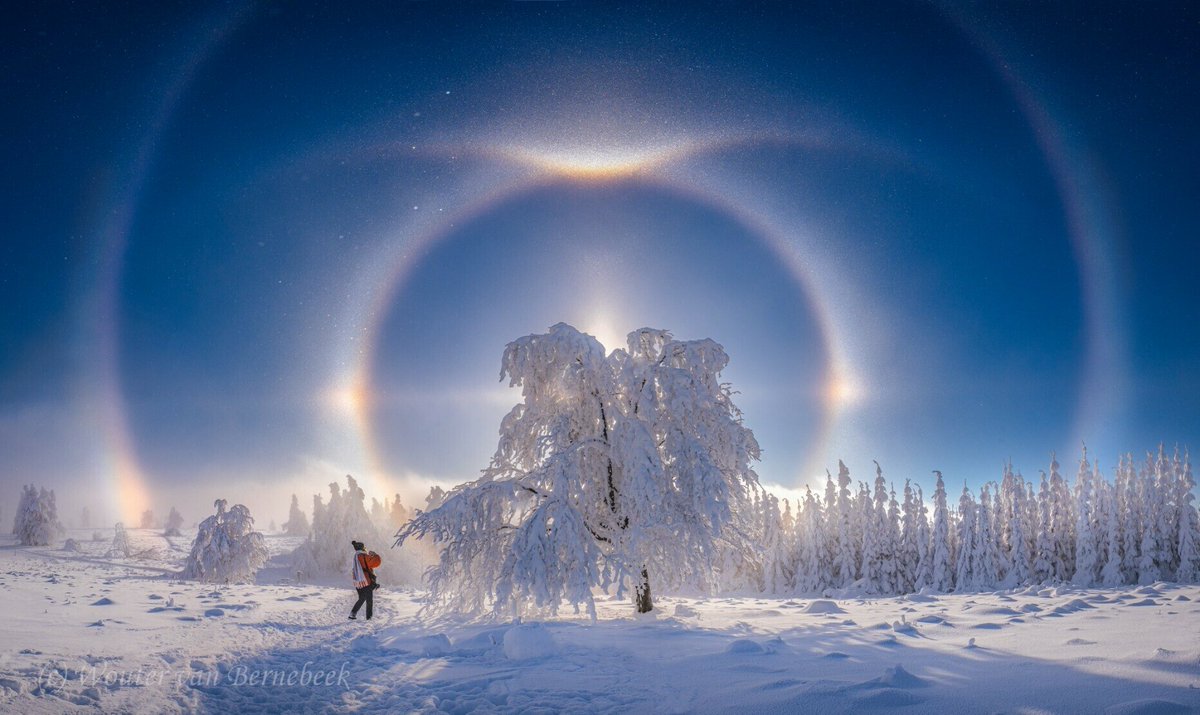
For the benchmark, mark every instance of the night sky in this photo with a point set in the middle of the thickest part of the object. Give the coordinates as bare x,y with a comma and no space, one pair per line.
251,248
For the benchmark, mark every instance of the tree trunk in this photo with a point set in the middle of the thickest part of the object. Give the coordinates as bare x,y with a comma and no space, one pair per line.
642,594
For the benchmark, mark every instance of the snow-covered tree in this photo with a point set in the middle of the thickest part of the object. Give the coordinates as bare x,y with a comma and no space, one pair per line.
398,516
227,549
326,552
879,541
174,523
147,519
1062,525
1020,561
1043,555
120,544
809,541
966,558
379,512
942,576
614,469
36,522
924,570
1189,527
1087,544
297,523
1111,573
778,571
985,560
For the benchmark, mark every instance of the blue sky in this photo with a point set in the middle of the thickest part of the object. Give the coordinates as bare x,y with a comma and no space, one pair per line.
251,248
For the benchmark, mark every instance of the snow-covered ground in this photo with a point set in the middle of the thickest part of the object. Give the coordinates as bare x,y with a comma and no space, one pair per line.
82,632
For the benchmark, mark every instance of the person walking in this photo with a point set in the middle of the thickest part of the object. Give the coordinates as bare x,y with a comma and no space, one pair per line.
364,581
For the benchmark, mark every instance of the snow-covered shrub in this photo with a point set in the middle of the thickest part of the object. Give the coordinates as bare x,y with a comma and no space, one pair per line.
174,523
71,545
226,549
36,522
120,544
97,536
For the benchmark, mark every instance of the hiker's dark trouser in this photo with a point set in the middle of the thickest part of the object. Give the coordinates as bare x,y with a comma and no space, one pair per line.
366,595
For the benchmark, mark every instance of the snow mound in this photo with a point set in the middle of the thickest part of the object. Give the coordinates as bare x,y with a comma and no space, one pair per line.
528,641
1075,604
995,611
933,618
434,646
106,601
897,677
1144,602
682,611
745,646
1147,706
920,598
823,606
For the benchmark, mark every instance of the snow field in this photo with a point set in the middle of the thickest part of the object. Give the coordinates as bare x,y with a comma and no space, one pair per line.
80,629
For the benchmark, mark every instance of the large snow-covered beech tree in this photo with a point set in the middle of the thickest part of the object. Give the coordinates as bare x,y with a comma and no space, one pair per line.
227,549
36,522
616,471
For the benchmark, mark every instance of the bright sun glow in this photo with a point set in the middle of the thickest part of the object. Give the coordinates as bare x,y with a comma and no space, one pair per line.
594,163
347,398
843,391
604,328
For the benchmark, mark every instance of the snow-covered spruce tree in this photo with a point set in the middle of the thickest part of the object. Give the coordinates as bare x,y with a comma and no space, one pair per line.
924,571
808,535
965,563
297,523
398,516
1019,561
1189,527
1043,554
1129,518
36,522
174,523
326,552
1111,573
615,469
778,569
941,573
906,575
985,545
879,549
1062,525
1087,545
120,544
227,549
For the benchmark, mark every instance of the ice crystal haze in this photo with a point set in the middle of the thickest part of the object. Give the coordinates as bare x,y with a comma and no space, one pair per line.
616,471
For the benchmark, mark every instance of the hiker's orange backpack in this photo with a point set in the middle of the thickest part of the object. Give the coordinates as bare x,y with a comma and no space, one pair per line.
373,560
